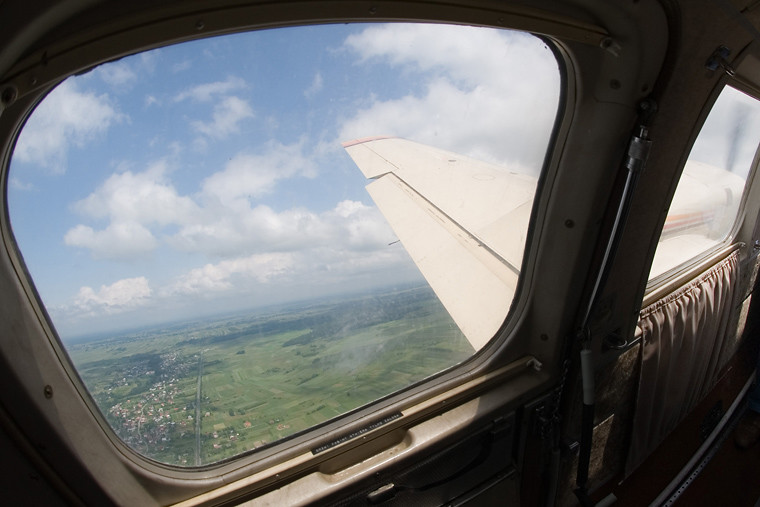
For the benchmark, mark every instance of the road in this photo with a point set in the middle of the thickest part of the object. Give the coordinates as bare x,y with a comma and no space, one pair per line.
198,413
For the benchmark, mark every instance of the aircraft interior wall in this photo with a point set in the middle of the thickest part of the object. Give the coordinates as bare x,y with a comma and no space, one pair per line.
509,423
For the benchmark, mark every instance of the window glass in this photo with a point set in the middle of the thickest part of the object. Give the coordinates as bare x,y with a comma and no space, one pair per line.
704,207
242,237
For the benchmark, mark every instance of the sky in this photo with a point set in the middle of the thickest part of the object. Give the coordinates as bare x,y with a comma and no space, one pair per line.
209,176
729,137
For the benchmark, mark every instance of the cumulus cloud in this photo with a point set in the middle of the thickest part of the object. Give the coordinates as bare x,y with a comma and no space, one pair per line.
120,240
229,110
234,232
471,56
131,202
475,102
261,268
253,175
208,91
67,116
120,296
225,218
228,113
350,225
296,271
146,197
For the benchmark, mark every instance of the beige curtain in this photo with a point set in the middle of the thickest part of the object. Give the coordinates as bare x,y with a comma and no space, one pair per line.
683,335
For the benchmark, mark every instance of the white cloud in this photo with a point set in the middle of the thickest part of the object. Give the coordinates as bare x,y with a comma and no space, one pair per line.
131,202
362,227
145,198
67,116
261,268
120,296
119,240
497,104
149,59
336,263
316,86
208,91
293,272
17,184
229,110
253,175
351,225
472,56
228,113
234,233
223,218
117,74
122,75
181,66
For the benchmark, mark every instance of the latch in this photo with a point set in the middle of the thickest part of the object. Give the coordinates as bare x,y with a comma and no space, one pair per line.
719,59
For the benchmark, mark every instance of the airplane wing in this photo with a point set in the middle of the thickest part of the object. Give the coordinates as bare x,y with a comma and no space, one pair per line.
463,222
701,214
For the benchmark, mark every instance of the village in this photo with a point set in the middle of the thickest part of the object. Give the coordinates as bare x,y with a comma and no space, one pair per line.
160,421
152,420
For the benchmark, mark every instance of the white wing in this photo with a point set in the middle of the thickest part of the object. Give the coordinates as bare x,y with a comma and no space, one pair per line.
463,222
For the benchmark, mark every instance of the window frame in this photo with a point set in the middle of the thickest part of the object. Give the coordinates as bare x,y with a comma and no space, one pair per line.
417,395
675,276
574,36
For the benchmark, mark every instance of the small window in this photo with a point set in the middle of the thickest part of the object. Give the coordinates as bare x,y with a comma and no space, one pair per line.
240,238
706,203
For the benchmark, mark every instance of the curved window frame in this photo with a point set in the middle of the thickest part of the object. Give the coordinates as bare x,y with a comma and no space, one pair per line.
672,276
411,396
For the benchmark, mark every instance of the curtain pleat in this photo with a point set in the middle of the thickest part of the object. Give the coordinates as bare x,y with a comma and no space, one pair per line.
683,335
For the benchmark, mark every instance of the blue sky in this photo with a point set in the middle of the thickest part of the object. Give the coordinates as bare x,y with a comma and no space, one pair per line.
209,176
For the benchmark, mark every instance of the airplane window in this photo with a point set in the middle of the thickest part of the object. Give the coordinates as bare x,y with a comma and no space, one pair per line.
239,238
707,199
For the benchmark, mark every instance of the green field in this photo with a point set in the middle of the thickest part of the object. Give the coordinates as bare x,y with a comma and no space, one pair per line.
264,375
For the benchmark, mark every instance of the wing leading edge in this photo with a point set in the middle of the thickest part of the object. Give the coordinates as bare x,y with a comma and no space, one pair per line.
461,220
